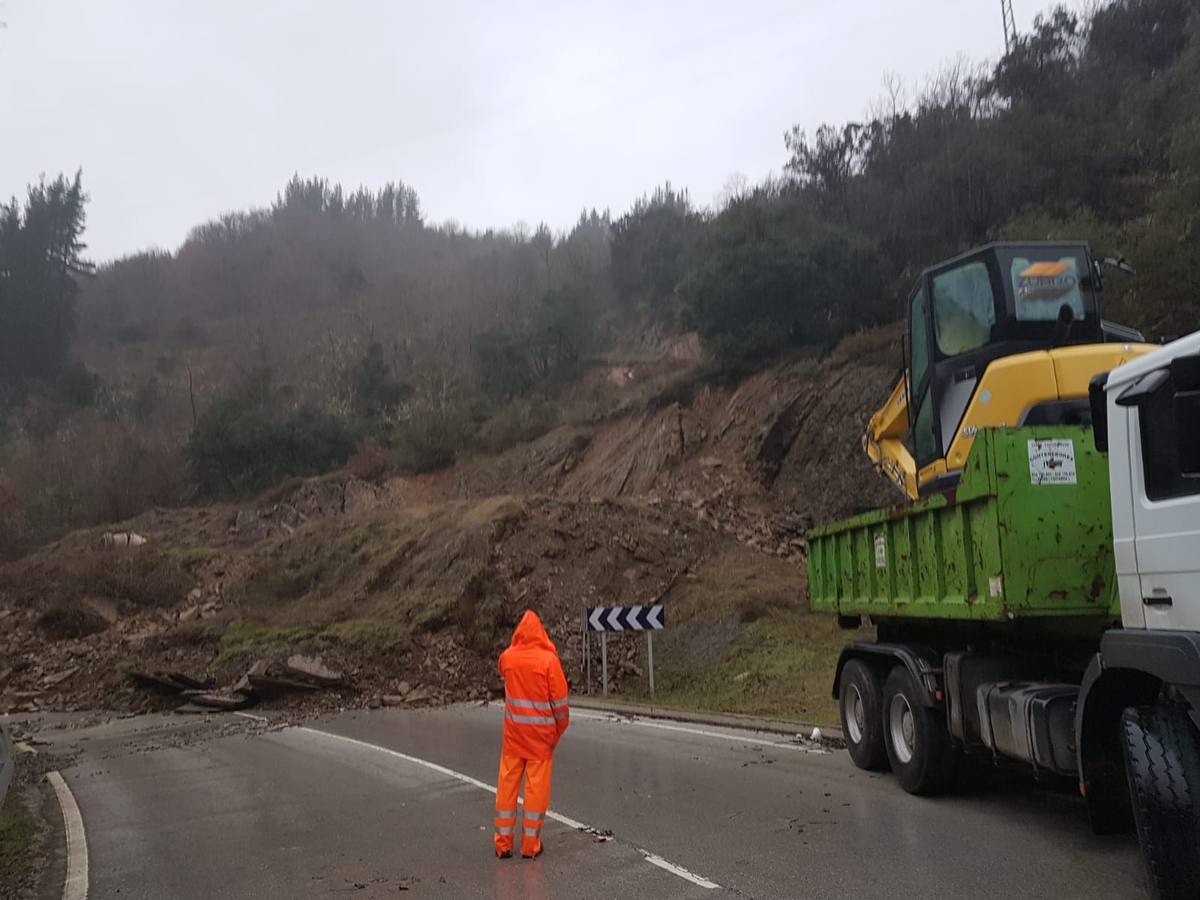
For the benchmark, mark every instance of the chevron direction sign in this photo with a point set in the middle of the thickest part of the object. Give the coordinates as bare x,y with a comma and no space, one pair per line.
625,618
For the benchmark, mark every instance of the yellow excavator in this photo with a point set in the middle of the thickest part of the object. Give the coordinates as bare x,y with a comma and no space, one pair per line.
1005,335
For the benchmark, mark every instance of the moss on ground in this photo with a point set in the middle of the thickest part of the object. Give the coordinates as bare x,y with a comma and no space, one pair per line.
191,559
241,638
370,634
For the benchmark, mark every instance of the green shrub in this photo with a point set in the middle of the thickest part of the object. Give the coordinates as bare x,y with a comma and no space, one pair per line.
768,272
244,444
431,439
373,389
77,385
70,620
524,419
501,362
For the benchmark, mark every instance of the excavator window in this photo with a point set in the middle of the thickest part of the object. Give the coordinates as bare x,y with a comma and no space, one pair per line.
1041,288
919,342
1050,295
924,439
964,309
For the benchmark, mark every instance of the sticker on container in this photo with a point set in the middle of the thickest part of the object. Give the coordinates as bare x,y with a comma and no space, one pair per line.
995,586
1052,462
880,552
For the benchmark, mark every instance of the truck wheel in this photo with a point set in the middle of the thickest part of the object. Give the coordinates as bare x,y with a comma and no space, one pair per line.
862,715
1163,767
918,744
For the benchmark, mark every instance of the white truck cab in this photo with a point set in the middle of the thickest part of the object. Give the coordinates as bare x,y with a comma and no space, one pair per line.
1153,411
1137,717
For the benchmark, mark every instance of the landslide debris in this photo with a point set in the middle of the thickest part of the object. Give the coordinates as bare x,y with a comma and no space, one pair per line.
404,602
408,589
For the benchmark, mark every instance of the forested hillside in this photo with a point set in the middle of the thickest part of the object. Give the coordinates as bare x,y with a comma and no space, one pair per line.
341,327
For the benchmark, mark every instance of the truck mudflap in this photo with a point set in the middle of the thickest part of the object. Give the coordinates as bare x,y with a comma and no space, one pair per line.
922,662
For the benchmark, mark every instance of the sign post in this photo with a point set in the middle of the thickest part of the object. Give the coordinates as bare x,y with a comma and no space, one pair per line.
604,659
625,618
650,663
587,651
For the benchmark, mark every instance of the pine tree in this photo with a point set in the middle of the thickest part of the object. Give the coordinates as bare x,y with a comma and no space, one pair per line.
41,262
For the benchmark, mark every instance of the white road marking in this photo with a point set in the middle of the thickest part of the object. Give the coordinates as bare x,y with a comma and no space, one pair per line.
246,715
602,717
678,870
651,858
725,736
76,885
722,735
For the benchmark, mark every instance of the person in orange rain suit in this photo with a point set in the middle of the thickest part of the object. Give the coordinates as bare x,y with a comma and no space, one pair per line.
535,717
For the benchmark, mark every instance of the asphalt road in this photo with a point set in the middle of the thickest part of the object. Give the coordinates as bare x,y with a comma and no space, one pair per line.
370,805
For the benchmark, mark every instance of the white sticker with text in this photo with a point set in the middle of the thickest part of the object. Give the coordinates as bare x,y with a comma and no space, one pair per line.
1052,462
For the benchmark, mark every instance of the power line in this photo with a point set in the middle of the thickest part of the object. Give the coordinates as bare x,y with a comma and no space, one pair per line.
1010,25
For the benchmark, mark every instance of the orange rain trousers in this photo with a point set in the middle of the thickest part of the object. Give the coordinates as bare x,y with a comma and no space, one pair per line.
537,800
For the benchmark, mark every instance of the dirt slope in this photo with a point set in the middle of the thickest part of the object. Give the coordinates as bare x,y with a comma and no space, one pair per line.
785,443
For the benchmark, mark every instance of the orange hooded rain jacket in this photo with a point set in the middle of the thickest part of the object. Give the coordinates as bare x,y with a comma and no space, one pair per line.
535,692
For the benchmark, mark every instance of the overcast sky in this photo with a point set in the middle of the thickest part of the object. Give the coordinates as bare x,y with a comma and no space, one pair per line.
496,112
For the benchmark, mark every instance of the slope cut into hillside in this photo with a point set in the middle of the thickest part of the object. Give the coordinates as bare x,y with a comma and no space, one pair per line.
783,444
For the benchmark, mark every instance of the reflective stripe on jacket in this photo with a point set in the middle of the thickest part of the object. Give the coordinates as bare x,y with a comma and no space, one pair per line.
535,692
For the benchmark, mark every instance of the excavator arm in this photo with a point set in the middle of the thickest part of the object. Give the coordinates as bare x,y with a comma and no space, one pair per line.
883,440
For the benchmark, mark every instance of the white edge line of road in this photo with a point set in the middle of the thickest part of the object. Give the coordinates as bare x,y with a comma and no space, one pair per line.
75,886
246,715
726,736
651,858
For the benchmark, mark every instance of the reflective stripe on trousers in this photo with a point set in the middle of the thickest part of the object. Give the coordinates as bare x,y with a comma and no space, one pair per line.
532,826
506,822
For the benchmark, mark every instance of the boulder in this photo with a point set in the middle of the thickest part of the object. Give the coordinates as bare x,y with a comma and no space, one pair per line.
269,685
313,669
59,677
224,700
259,669
112,539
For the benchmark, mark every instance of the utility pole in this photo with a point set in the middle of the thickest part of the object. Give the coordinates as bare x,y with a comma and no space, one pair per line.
1010,25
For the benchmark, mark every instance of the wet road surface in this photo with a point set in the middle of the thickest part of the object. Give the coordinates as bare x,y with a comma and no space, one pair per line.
395,802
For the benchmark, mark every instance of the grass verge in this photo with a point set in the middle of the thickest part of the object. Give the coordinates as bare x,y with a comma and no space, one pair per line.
740,639
17,832
780,667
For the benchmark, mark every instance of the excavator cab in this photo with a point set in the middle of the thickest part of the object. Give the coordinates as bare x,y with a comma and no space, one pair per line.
1005,335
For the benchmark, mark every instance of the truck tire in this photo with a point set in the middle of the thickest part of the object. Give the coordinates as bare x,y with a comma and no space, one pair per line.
918,744
861,709
1163,767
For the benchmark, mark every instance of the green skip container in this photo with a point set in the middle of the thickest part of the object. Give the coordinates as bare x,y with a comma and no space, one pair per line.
1027,533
